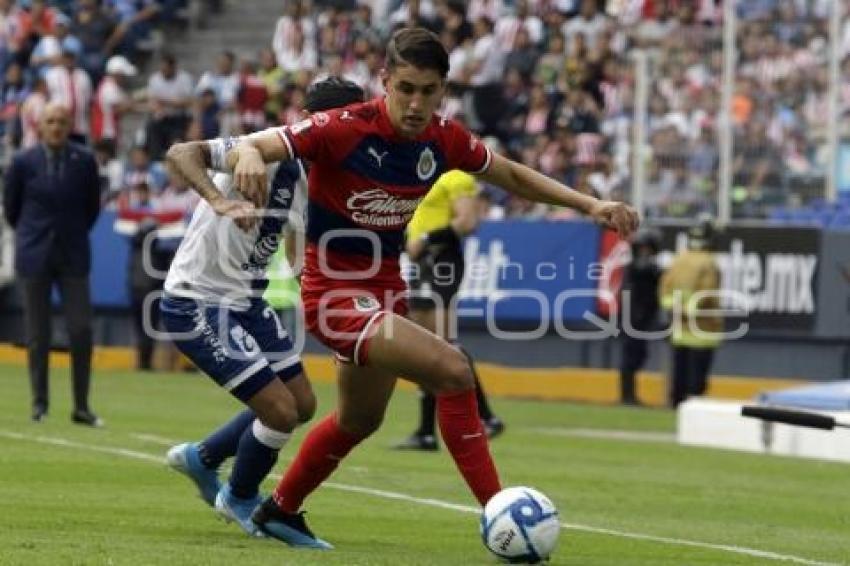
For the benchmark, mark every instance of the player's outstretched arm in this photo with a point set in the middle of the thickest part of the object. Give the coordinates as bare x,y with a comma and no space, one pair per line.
528,183
249,158
189,161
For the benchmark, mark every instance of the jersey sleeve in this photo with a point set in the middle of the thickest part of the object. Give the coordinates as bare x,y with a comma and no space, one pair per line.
459,184
318,138
465,151
218,152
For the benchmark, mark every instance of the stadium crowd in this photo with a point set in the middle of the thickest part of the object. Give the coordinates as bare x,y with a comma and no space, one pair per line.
549,82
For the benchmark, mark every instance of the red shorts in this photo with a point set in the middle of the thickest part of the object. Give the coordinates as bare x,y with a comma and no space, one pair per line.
345,320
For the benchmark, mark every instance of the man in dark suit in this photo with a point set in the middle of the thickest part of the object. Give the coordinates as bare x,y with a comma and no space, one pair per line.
52,199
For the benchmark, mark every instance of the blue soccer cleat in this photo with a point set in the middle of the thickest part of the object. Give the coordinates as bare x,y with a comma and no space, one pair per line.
286,527
238,510
186,459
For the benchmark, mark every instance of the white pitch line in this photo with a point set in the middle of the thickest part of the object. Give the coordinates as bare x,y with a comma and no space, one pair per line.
153,439
144,456
605,434
94,448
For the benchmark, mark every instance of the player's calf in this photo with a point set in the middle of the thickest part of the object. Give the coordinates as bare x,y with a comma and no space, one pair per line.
361,425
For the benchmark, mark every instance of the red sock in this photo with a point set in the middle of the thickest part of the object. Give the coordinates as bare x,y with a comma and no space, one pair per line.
465,438
320,453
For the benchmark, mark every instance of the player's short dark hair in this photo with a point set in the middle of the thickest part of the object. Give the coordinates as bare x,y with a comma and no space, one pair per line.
418,47
333,92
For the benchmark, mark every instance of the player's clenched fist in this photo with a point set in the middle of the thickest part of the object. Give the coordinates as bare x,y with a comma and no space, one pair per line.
249,173
616,215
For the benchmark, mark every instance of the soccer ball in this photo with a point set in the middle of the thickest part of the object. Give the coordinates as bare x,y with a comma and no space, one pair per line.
520,525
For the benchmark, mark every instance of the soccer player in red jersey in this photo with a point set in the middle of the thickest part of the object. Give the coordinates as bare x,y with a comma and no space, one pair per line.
371,165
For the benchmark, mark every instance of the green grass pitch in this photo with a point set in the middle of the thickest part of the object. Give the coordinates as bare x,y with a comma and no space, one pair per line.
76,496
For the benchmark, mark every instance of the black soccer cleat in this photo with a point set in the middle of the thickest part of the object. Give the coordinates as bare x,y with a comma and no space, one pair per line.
290,528
86,418
422,442
494,427
39,413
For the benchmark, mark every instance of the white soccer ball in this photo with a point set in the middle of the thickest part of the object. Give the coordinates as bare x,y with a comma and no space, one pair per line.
520,525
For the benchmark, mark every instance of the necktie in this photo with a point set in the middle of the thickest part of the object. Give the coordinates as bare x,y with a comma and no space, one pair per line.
56,164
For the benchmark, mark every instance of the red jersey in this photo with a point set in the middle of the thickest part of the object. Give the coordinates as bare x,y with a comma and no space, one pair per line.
365,182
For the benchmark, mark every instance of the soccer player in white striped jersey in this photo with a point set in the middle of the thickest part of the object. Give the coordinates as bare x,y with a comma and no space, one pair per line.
214,310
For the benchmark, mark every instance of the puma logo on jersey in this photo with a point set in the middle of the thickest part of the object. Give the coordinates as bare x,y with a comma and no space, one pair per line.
378,157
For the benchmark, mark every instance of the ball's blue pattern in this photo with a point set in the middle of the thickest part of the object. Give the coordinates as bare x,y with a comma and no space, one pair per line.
525,513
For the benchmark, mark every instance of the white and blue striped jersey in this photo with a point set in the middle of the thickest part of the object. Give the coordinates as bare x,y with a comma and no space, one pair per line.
217,262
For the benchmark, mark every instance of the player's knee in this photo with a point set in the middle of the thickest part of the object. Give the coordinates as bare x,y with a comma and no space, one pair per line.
306,407
280,415
456,374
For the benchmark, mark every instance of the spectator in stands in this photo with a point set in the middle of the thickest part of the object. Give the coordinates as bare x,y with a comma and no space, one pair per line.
111,100
142,170
590,22
490,9
224,82
485,74
523,54
455,21
170,96
34,22
12,95
177,197
9,16
294,41
551,63
98,32
539,118
754,167
252,98
207,116
293,110
136,19
361,24
31,111
272,76
52,199
48,51
690,290
508,27
651,32
70,86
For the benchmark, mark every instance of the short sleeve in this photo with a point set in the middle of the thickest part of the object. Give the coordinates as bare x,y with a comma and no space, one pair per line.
319,138
460,184
218,151
465,151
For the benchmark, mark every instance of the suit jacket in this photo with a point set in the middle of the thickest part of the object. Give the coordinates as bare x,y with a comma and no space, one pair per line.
52,214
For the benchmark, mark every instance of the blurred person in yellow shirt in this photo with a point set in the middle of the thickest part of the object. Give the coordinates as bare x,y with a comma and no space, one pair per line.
690,290
447,214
